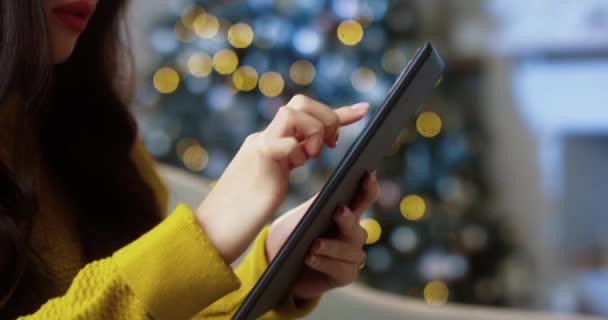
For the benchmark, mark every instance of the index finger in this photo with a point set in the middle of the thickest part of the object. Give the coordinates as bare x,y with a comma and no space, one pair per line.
320,111
351,114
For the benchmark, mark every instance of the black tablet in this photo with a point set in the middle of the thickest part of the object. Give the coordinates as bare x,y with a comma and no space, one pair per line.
413,87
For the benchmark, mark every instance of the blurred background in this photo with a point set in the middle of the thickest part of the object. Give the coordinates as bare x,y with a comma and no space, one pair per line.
494,194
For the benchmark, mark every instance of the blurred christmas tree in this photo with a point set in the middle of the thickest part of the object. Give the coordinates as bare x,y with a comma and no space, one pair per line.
227,66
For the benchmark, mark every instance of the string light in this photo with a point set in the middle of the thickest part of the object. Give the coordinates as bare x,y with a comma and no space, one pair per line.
302,72
436,293
200,65
412,207
240,35
165,80
350,32
225,61
428,124
245,78
374,231
206,25
363,79
271,84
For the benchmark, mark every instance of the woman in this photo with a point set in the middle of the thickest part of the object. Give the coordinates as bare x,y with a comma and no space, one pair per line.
81,206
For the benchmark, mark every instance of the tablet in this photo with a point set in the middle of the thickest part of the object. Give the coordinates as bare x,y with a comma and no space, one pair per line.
412,88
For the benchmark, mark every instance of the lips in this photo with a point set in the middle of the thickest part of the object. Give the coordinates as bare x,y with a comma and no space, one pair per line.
74,15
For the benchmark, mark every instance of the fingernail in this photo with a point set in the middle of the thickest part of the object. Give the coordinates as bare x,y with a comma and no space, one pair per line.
360,107
317,246
343,212
372,176
336,137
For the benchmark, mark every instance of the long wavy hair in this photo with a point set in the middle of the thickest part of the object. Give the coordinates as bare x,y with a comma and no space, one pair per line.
73,117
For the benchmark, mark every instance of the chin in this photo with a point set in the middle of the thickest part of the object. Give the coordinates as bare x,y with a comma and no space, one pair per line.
62,50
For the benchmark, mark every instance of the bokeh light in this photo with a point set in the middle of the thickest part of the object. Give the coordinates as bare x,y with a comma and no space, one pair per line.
195,158
350,32
200,65
374,231
225,61
271,84
379,258
240,35
428,124
412,207
363,79
390,194
404,239
163,40
272,31
165,80
346,9
206,25
393,61
183,145
302,72
189,14
307,41
474,237
436,293
182,33
245,78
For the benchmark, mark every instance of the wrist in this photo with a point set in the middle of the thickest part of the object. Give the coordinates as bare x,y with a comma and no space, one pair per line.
213,232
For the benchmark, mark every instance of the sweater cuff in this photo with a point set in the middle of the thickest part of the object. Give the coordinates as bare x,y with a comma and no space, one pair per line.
289,309
174,269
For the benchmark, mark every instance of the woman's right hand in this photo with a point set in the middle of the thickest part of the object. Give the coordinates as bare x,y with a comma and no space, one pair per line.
255,182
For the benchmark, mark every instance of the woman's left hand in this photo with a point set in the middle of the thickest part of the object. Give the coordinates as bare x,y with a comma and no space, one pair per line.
332,262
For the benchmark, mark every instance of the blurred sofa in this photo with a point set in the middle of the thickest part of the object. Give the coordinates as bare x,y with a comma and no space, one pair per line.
357,301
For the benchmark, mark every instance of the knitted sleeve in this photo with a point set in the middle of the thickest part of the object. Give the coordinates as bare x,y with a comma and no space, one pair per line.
249,271
171,272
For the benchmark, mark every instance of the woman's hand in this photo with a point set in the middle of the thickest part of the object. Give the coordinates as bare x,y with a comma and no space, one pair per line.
255,182
332,262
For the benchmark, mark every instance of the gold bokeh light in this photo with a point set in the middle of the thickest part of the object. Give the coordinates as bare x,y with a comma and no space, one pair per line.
225,61
200,65
206,25
302,72
240,35
373,229
412,207
182,33
436,293
196,158
165,80
428,124
271,84
350,32
183,145
245,78
190,14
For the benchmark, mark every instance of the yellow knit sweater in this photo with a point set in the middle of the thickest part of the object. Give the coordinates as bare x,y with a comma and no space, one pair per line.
172,272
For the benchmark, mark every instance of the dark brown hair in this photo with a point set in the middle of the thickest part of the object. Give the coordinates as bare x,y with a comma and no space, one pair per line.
73,118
